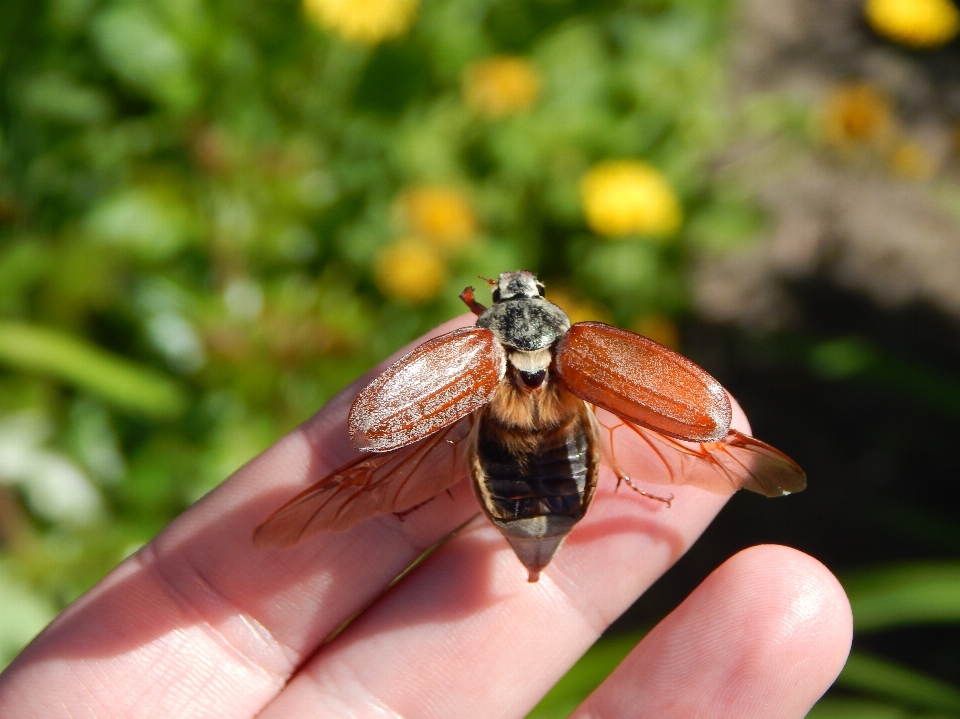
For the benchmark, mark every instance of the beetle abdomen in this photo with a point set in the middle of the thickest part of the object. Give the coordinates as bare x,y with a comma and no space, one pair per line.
551,481
535,486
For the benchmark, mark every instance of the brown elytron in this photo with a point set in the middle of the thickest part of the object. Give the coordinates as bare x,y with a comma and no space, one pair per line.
439,382
529,406
636,378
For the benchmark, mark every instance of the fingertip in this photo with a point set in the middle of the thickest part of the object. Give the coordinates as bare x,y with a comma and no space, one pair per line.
761,638
795,601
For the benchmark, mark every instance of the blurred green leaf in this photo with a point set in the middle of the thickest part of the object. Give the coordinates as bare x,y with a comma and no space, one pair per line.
622,268
884,678
835,708
140,50
853,357
59,97
153,222
897,596
726,226
842,358
124,383
22,264
24,614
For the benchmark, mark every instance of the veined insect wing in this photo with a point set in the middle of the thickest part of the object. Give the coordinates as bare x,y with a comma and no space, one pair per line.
436,384
738,461
373,484
765,469
414,422
643,382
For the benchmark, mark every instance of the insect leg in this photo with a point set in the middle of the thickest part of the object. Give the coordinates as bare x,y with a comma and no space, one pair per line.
623,476
642,493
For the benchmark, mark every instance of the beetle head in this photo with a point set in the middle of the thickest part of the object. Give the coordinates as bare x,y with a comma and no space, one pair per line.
515,285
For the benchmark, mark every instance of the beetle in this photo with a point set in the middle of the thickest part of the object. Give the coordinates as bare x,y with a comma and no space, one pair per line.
529,406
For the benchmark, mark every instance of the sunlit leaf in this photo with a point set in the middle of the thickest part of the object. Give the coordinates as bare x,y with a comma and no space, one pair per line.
24,614
117,380
897,596
139,49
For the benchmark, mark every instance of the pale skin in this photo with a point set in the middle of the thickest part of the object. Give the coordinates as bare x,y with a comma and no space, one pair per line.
201,624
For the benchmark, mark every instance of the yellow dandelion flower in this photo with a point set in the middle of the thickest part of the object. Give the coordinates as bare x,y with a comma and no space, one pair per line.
911,161
501,86
363,21
917,23
440,215
410,271
622,197
858,114
659,328
577,309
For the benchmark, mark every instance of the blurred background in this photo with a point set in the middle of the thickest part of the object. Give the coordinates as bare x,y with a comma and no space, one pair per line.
214,215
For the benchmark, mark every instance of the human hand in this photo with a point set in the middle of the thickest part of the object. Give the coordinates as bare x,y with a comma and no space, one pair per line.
199,623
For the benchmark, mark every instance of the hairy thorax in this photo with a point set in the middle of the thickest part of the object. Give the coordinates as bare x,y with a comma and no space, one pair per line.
524,418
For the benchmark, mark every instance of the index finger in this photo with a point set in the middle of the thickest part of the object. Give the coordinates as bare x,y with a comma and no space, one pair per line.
198,622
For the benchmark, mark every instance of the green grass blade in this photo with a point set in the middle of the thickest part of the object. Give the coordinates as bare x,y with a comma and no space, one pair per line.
903,595
837,708
883,678
117,380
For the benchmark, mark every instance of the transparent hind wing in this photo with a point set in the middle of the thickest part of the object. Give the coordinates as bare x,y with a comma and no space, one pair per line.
734,462
373,484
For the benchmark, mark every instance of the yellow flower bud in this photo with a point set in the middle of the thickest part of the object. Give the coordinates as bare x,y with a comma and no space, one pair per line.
501,86
917,23
440,215
622,197
410,271
363,21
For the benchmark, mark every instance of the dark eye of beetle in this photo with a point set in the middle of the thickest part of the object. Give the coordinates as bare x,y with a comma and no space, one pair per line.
496,295
540,289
